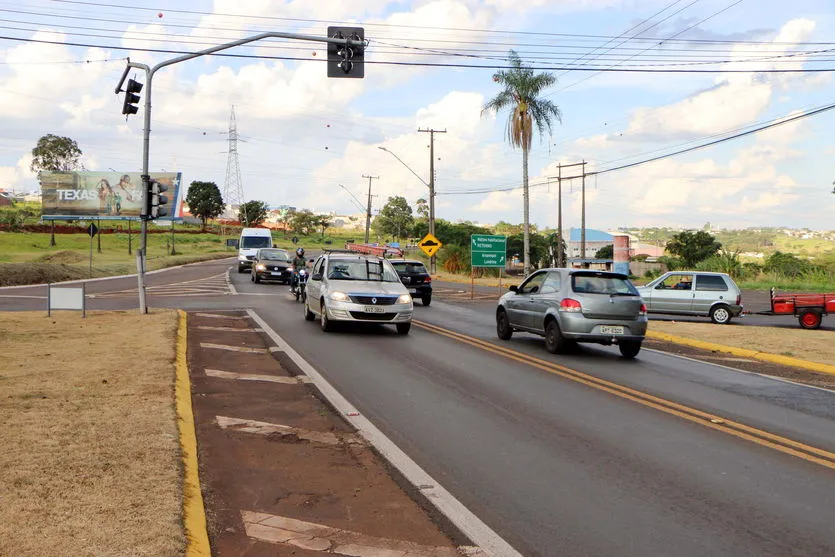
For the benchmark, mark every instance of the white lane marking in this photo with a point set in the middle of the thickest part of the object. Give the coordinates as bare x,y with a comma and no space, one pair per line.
464,519
294,380
217,316
231,329
266,428
32,297
246,349
232,288
319,537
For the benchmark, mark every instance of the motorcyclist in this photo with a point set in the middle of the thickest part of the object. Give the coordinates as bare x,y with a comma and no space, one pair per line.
299,263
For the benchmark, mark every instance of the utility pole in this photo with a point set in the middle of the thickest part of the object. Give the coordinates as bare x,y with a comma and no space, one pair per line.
368,210
560,178
583,220
431,133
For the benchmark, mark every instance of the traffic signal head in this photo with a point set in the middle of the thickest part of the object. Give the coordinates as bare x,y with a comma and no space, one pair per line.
346,60
132,90
156,202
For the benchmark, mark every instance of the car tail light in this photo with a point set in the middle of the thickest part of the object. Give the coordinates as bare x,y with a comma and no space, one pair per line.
643,310
739,299
428,278
570,305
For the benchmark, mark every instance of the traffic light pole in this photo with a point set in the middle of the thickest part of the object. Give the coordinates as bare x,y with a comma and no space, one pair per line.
146,139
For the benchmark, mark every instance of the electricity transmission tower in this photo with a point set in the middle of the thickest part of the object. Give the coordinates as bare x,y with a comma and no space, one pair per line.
233,189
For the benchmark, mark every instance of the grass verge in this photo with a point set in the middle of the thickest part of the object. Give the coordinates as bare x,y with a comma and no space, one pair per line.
91,459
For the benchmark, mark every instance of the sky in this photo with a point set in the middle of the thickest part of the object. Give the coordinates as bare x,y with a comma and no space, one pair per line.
635,80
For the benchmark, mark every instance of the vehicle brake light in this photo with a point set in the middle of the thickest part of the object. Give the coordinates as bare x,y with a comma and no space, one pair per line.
643,310
739,299
428,278
570,305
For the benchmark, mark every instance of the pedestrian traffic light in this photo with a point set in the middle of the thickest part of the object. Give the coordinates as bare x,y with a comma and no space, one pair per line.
131,97
346,60
155,202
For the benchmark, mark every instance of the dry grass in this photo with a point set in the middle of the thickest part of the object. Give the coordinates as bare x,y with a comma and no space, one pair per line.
813,346
90,461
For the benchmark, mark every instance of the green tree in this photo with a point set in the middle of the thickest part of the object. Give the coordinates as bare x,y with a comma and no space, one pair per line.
304,222
785,264
693,247
522,94
422,208
395,218
323,222
606,252
54,153
252,213
204,201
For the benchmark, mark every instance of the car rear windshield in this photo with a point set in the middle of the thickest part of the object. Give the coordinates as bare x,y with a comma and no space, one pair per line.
597,283
409,268
250,242
361,269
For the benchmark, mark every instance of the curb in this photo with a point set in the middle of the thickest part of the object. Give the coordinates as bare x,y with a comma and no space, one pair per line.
745,352
194,513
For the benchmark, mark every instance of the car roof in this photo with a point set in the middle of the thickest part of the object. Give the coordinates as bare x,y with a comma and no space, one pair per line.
410,261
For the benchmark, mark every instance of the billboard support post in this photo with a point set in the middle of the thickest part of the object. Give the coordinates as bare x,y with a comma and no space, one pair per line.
146,136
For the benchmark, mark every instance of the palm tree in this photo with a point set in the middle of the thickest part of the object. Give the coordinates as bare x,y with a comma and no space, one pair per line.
521,94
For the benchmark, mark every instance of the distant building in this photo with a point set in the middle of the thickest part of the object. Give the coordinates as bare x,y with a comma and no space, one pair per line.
595,239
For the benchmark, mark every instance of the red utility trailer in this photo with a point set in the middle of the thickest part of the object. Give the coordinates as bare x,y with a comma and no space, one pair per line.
808,308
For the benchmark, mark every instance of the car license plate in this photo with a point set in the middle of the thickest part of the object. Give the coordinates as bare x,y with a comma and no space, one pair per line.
374,309
275,273
413,291
611,330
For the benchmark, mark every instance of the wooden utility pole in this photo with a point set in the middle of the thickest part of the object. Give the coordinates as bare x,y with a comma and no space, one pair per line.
431,133
368,209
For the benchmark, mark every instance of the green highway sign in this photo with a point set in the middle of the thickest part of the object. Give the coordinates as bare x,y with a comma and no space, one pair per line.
488,251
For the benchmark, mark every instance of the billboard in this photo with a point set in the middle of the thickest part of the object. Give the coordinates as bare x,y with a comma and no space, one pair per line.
102,195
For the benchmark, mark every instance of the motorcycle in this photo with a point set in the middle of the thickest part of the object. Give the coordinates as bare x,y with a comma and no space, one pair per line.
299,290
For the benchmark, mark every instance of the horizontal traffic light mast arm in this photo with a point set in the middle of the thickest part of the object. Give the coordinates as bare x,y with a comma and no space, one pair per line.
268,35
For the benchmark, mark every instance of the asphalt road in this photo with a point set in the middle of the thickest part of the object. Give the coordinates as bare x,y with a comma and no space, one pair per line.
576,455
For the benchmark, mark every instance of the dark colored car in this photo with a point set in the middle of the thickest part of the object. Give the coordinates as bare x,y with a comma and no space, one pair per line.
415,277
272,264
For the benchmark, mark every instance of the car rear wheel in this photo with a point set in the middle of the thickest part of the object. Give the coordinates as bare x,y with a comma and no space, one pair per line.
503,328
426,299
554,341
810,319
720,314
325,323
403,328
629,348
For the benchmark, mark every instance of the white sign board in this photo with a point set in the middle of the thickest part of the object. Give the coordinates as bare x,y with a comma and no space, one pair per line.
67,298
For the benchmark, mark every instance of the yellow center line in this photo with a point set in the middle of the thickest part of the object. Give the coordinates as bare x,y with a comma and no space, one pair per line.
718,423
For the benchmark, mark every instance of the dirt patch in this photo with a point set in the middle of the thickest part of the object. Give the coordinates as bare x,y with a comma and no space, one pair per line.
63,256
813,346
341,484
16,274
91,459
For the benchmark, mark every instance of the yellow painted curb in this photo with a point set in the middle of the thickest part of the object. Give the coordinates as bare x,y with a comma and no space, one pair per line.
194,514
745,352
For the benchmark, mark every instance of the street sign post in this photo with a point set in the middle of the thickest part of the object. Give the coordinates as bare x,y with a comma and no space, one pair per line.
92,230
430,245
487,251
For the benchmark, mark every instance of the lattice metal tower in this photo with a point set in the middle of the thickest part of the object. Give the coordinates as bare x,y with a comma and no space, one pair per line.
233,189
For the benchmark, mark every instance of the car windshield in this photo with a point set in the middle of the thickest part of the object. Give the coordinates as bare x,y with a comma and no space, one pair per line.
594,283
274,255
362,269
408,267
250,242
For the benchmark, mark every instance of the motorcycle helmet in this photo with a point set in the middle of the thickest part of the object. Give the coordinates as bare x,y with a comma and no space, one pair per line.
300,252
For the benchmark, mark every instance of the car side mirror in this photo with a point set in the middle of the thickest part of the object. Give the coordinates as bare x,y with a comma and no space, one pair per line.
513,288
316,276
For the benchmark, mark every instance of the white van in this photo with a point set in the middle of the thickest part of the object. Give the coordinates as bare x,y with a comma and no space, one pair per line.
252,239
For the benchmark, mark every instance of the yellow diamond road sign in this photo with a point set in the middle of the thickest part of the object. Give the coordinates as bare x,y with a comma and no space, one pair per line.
430,245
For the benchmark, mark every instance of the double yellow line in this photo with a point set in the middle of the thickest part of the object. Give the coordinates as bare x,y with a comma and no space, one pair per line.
712,421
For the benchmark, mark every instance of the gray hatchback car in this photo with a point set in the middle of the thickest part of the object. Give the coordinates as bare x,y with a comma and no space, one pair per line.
567,306
713,295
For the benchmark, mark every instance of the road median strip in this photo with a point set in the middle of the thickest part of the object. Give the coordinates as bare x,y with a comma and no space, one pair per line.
745,352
